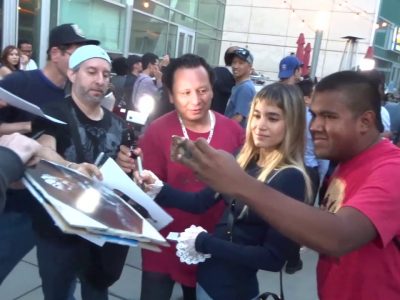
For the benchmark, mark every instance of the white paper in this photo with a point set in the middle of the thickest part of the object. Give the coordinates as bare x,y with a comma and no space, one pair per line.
20,103
115,178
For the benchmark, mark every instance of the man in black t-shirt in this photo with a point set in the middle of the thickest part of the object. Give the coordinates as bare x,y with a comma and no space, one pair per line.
38,87
90,130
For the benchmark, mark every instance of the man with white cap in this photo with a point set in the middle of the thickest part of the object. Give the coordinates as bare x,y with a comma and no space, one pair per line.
91,130
38,87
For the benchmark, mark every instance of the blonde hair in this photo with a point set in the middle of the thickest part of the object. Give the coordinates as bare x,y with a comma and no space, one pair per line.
290,153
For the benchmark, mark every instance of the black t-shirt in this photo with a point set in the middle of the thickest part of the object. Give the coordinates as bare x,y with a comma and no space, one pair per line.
105,135
222,89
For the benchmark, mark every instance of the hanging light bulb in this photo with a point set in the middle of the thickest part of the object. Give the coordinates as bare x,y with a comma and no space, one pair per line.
146,4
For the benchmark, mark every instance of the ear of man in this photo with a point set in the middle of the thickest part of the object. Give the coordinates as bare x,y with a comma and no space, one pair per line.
71,74
367,121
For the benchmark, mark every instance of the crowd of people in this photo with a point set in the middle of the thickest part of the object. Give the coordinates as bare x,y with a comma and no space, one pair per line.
252,168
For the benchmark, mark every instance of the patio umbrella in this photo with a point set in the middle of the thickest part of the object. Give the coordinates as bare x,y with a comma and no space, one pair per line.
300,47
306,59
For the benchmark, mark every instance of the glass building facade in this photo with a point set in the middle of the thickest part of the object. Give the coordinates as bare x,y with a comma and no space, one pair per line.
387,42
123,26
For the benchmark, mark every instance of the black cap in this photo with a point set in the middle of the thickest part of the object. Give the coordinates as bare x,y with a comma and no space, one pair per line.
67,34
242,53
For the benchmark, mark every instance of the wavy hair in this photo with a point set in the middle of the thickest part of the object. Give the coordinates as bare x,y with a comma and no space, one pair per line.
290,153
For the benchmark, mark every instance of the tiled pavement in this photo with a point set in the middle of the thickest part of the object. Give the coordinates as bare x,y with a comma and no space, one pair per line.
24,282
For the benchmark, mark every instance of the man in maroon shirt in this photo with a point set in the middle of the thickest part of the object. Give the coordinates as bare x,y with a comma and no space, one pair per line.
188,80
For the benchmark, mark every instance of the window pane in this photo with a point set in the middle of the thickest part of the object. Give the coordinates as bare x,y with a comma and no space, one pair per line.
148,35
164,1
208,30
188,7
98,19
183,20
207,48
29,23
171,42
210,12
181,43
152,8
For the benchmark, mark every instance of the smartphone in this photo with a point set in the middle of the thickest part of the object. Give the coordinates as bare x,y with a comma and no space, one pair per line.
179,147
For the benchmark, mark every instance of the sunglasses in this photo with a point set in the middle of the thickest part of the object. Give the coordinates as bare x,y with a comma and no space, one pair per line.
242,51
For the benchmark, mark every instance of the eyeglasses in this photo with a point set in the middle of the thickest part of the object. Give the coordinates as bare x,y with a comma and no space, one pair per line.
69,53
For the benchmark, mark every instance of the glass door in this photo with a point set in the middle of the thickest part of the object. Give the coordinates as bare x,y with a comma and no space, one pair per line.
185,41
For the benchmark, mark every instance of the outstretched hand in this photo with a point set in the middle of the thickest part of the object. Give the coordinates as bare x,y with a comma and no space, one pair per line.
217,168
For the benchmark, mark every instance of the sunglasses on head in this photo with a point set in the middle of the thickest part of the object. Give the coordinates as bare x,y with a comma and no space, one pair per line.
242,51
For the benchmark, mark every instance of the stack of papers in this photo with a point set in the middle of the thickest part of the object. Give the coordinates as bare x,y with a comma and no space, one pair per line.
88,208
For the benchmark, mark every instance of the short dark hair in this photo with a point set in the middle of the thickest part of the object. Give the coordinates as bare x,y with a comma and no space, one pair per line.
306,86
133,59
147,59
186,61
361,93
119,66
23,41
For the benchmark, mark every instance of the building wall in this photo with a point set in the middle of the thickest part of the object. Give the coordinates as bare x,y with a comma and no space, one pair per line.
123,26
270,29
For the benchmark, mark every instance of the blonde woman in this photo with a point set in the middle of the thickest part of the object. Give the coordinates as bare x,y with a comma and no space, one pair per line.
242,243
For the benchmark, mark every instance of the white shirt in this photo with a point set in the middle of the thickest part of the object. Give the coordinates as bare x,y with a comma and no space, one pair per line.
31,65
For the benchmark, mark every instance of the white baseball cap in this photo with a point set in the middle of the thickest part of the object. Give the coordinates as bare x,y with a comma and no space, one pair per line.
86,52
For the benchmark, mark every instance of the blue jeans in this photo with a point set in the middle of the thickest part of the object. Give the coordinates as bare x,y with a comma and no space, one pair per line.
59,266
16,240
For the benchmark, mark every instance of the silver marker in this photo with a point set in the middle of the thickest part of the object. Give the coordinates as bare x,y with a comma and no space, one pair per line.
99,159
139,165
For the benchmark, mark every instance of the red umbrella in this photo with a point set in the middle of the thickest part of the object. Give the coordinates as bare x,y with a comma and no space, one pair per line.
306,59
300,47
